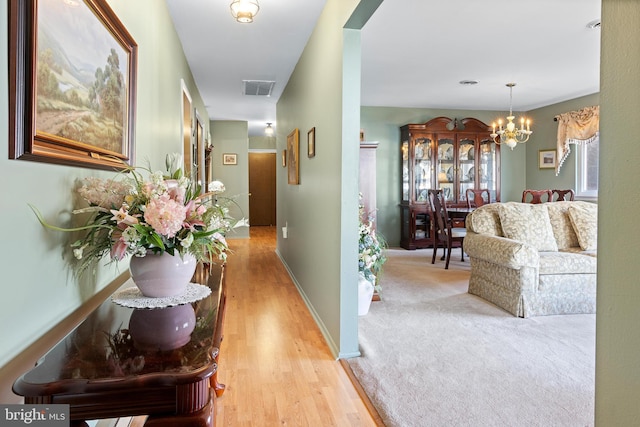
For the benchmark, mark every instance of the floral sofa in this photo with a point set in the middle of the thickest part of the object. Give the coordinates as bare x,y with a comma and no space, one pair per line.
534,259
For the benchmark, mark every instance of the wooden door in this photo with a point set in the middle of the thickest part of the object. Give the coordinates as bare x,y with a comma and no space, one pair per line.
262,188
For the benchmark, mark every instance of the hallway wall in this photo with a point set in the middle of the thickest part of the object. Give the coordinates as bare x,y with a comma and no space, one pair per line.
39,289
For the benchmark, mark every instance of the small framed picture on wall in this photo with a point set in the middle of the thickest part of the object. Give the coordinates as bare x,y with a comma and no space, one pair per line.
229,159
311,142
547,159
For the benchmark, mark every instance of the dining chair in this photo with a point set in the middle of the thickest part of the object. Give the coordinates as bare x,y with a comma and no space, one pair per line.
537,196
562,195
477,198
443,233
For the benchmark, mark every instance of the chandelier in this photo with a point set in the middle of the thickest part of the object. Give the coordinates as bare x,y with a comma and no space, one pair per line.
244,10
510,134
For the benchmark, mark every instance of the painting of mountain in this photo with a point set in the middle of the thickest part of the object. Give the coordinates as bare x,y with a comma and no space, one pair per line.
82,77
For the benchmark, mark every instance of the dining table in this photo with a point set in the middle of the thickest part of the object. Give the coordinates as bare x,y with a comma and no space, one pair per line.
459,215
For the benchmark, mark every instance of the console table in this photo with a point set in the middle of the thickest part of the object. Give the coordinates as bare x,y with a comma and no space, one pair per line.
108,368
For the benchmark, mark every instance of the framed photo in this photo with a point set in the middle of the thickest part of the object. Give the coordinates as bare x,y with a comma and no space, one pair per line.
284,158
547,159
229,159
72,81
293,157
311,142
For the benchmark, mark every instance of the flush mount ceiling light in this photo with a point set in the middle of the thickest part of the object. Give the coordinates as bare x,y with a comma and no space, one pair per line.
510,134
268,130
244,10
468,82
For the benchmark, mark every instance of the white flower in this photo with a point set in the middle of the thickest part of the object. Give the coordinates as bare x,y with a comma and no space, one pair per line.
173,162
216,187
187,241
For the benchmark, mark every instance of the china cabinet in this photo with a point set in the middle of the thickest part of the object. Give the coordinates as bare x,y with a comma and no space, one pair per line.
448,154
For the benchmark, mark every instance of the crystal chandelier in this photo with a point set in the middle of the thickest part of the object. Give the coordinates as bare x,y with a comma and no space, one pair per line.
510,134
244,10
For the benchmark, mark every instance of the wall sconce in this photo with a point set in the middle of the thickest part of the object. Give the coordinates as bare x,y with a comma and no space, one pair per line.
244,10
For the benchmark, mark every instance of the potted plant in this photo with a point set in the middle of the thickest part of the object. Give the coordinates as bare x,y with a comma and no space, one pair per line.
151,216
371,246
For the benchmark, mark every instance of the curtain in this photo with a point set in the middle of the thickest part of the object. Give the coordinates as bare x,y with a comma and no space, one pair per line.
576,127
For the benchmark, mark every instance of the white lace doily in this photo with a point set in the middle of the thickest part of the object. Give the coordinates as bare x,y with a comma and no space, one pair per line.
132,297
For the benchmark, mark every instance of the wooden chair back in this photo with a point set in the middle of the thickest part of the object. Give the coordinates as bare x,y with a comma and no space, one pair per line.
477,198
443,234
536,196
562,195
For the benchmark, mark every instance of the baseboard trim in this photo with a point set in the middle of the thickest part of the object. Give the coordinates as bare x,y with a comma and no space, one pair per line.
26,359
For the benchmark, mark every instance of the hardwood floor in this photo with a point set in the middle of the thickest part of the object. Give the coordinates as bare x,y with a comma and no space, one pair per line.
276,366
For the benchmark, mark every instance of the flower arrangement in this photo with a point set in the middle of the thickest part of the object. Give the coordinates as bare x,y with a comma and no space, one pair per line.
370,249
164,212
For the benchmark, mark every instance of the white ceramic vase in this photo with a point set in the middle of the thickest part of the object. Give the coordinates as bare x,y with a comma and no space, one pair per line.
365,293
162,275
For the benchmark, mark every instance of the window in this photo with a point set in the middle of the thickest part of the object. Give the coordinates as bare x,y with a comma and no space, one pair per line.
587,170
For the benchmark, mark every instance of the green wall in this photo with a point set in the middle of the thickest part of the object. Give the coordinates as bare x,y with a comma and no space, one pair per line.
321,214
38,287
617,336
262,143
230,136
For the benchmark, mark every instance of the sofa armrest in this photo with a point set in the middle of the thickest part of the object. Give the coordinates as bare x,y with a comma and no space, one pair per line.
500,250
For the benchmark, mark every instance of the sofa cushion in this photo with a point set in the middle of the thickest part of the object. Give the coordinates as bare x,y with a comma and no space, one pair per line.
561,224
485,220
527,223
584,217
567,263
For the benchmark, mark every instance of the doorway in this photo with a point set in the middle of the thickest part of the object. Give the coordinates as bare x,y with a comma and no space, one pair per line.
262,188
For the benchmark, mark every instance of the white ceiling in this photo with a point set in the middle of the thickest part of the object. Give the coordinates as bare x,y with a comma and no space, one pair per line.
414,53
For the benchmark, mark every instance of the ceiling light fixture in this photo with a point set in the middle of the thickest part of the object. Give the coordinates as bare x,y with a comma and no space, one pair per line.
244,10
510,134
268,130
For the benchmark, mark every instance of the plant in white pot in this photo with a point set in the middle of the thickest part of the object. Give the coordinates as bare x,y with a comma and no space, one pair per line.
151,215
371,246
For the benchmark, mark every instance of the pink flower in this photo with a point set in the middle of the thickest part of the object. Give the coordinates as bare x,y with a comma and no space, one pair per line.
165,215
121,216
119,248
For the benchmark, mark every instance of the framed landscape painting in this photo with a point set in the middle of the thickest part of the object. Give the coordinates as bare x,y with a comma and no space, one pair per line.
72,80
547,159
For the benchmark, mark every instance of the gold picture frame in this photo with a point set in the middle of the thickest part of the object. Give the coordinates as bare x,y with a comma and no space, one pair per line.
311,142
547,159
293,157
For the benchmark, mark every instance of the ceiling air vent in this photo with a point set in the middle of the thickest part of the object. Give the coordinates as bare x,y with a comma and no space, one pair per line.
257,87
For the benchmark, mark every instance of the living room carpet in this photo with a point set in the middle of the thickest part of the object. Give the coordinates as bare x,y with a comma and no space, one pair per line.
434,355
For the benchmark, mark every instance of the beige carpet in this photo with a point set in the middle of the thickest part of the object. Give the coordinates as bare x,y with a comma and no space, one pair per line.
434,355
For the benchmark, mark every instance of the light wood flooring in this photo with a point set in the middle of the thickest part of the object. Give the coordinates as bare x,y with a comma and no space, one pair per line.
276,365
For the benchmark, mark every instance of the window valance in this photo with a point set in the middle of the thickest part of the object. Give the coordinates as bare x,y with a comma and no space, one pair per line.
576,127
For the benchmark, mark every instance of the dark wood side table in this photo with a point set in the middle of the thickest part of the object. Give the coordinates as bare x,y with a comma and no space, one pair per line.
122,361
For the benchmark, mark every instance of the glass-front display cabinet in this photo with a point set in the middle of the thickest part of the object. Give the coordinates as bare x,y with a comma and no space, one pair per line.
448,154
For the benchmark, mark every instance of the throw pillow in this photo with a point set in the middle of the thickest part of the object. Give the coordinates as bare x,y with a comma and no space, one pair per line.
528,223
485,220
561,225
585,223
